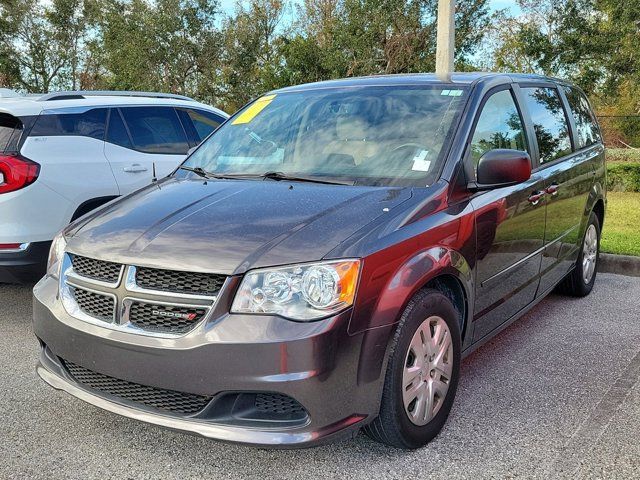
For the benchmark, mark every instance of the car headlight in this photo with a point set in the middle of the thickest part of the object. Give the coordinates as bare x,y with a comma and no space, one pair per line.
299,292
55,255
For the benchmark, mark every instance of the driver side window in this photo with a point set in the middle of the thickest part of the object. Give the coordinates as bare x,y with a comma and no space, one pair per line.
499,126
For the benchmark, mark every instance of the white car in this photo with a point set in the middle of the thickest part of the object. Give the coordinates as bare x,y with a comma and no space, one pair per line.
64,154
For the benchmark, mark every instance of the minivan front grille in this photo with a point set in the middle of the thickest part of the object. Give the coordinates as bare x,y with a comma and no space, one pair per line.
168,400
93,304
138,300
165,318
96,269
191,283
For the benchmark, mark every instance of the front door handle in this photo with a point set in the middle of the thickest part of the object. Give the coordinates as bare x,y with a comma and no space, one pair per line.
135,168
535,197
552,189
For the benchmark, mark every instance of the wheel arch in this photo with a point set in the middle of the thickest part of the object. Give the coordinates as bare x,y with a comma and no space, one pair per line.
599,210
91,204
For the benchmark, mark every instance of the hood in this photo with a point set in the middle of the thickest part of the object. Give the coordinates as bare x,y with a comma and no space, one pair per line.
229,226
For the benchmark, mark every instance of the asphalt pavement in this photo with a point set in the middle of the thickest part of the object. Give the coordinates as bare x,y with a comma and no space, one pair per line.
556,395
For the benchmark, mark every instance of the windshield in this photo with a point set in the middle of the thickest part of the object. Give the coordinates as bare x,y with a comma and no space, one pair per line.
391,135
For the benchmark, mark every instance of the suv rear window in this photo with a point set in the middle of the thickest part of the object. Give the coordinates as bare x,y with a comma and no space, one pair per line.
549,122
155,130
10,131
204,122
586,125
85,124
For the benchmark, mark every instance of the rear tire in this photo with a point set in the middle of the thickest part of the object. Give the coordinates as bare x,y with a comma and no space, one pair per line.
580,281
422,373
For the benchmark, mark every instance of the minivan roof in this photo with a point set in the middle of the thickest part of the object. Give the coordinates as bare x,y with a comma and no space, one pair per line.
34,104
461,79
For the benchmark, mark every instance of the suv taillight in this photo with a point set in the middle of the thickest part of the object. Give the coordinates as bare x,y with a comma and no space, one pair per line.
16,172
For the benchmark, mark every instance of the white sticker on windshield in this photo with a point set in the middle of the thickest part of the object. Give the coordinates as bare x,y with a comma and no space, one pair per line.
420,164
451,93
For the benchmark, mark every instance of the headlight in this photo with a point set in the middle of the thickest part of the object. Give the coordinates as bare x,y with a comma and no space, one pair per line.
299,292
55,255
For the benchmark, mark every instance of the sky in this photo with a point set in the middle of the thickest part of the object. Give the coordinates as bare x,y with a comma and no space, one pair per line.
227,6
505,4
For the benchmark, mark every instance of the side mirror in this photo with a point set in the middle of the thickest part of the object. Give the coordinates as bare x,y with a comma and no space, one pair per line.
501,168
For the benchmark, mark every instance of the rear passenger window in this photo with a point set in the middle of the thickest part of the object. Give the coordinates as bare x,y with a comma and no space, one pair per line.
10,130
499,126
549,122
117,133
155,130
85,124
586,125
204,122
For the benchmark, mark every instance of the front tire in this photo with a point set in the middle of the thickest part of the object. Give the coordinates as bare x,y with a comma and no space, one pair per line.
422,373
580,281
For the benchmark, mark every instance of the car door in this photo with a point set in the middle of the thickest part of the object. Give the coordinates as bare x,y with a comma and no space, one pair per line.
510,221
567,166
139,137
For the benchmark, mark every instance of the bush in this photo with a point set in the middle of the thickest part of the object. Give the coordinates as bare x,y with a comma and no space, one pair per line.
616,155
623,177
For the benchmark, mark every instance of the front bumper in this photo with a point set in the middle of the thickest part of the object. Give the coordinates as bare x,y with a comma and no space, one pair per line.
315,363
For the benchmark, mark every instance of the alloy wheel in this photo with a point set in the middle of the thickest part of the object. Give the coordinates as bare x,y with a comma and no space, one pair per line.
589,253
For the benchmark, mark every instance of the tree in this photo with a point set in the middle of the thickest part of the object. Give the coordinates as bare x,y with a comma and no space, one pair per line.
339,38
30,55
156,46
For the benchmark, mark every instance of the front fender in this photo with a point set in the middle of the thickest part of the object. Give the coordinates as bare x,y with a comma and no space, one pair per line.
387,294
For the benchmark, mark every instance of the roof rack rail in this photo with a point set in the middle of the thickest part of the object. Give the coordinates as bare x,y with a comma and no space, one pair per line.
79,94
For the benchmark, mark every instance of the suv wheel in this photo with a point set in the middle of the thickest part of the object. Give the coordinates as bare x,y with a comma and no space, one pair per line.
422,373
579,282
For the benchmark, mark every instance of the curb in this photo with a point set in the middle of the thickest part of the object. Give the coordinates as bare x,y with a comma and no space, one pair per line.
620,264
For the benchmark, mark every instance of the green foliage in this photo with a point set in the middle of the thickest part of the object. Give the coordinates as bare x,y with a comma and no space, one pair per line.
618,155
190,47
623,177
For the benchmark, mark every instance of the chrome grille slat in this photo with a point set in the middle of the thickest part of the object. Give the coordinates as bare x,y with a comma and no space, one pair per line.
169,400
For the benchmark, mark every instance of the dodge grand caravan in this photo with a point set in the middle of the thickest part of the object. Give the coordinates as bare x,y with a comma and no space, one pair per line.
323,261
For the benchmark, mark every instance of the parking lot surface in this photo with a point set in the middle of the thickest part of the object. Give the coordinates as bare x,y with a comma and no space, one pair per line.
556,395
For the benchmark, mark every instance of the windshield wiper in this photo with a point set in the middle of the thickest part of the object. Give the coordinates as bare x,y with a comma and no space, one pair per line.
267,175
197,170
283,176
224,176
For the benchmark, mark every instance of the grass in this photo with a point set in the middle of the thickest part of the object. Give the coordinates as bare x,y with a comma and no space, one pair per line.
621,233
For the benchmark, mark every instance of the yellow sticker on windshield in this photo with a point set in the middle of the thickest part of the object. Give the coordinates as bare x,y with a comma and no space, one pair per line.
254,109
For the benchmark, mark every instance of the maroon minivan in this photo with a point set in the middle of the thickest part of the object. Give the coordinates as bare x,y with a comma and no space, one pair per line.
323,261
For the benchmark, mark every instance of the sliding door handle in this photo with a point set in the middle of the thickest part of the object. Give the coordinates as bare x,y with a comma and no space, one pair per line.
535,197
552,189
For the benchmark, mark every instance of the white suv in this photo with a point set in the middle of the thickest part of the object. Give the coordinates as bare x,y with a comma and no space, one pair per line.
64,154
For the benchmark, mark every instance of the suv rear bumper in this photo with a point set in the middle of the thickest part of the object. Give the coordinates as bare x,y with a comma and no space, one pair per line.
26,266
319,370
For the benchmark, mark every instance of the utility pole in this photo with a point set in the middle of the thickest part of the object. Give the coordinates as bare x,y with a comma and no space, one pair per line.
446,40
